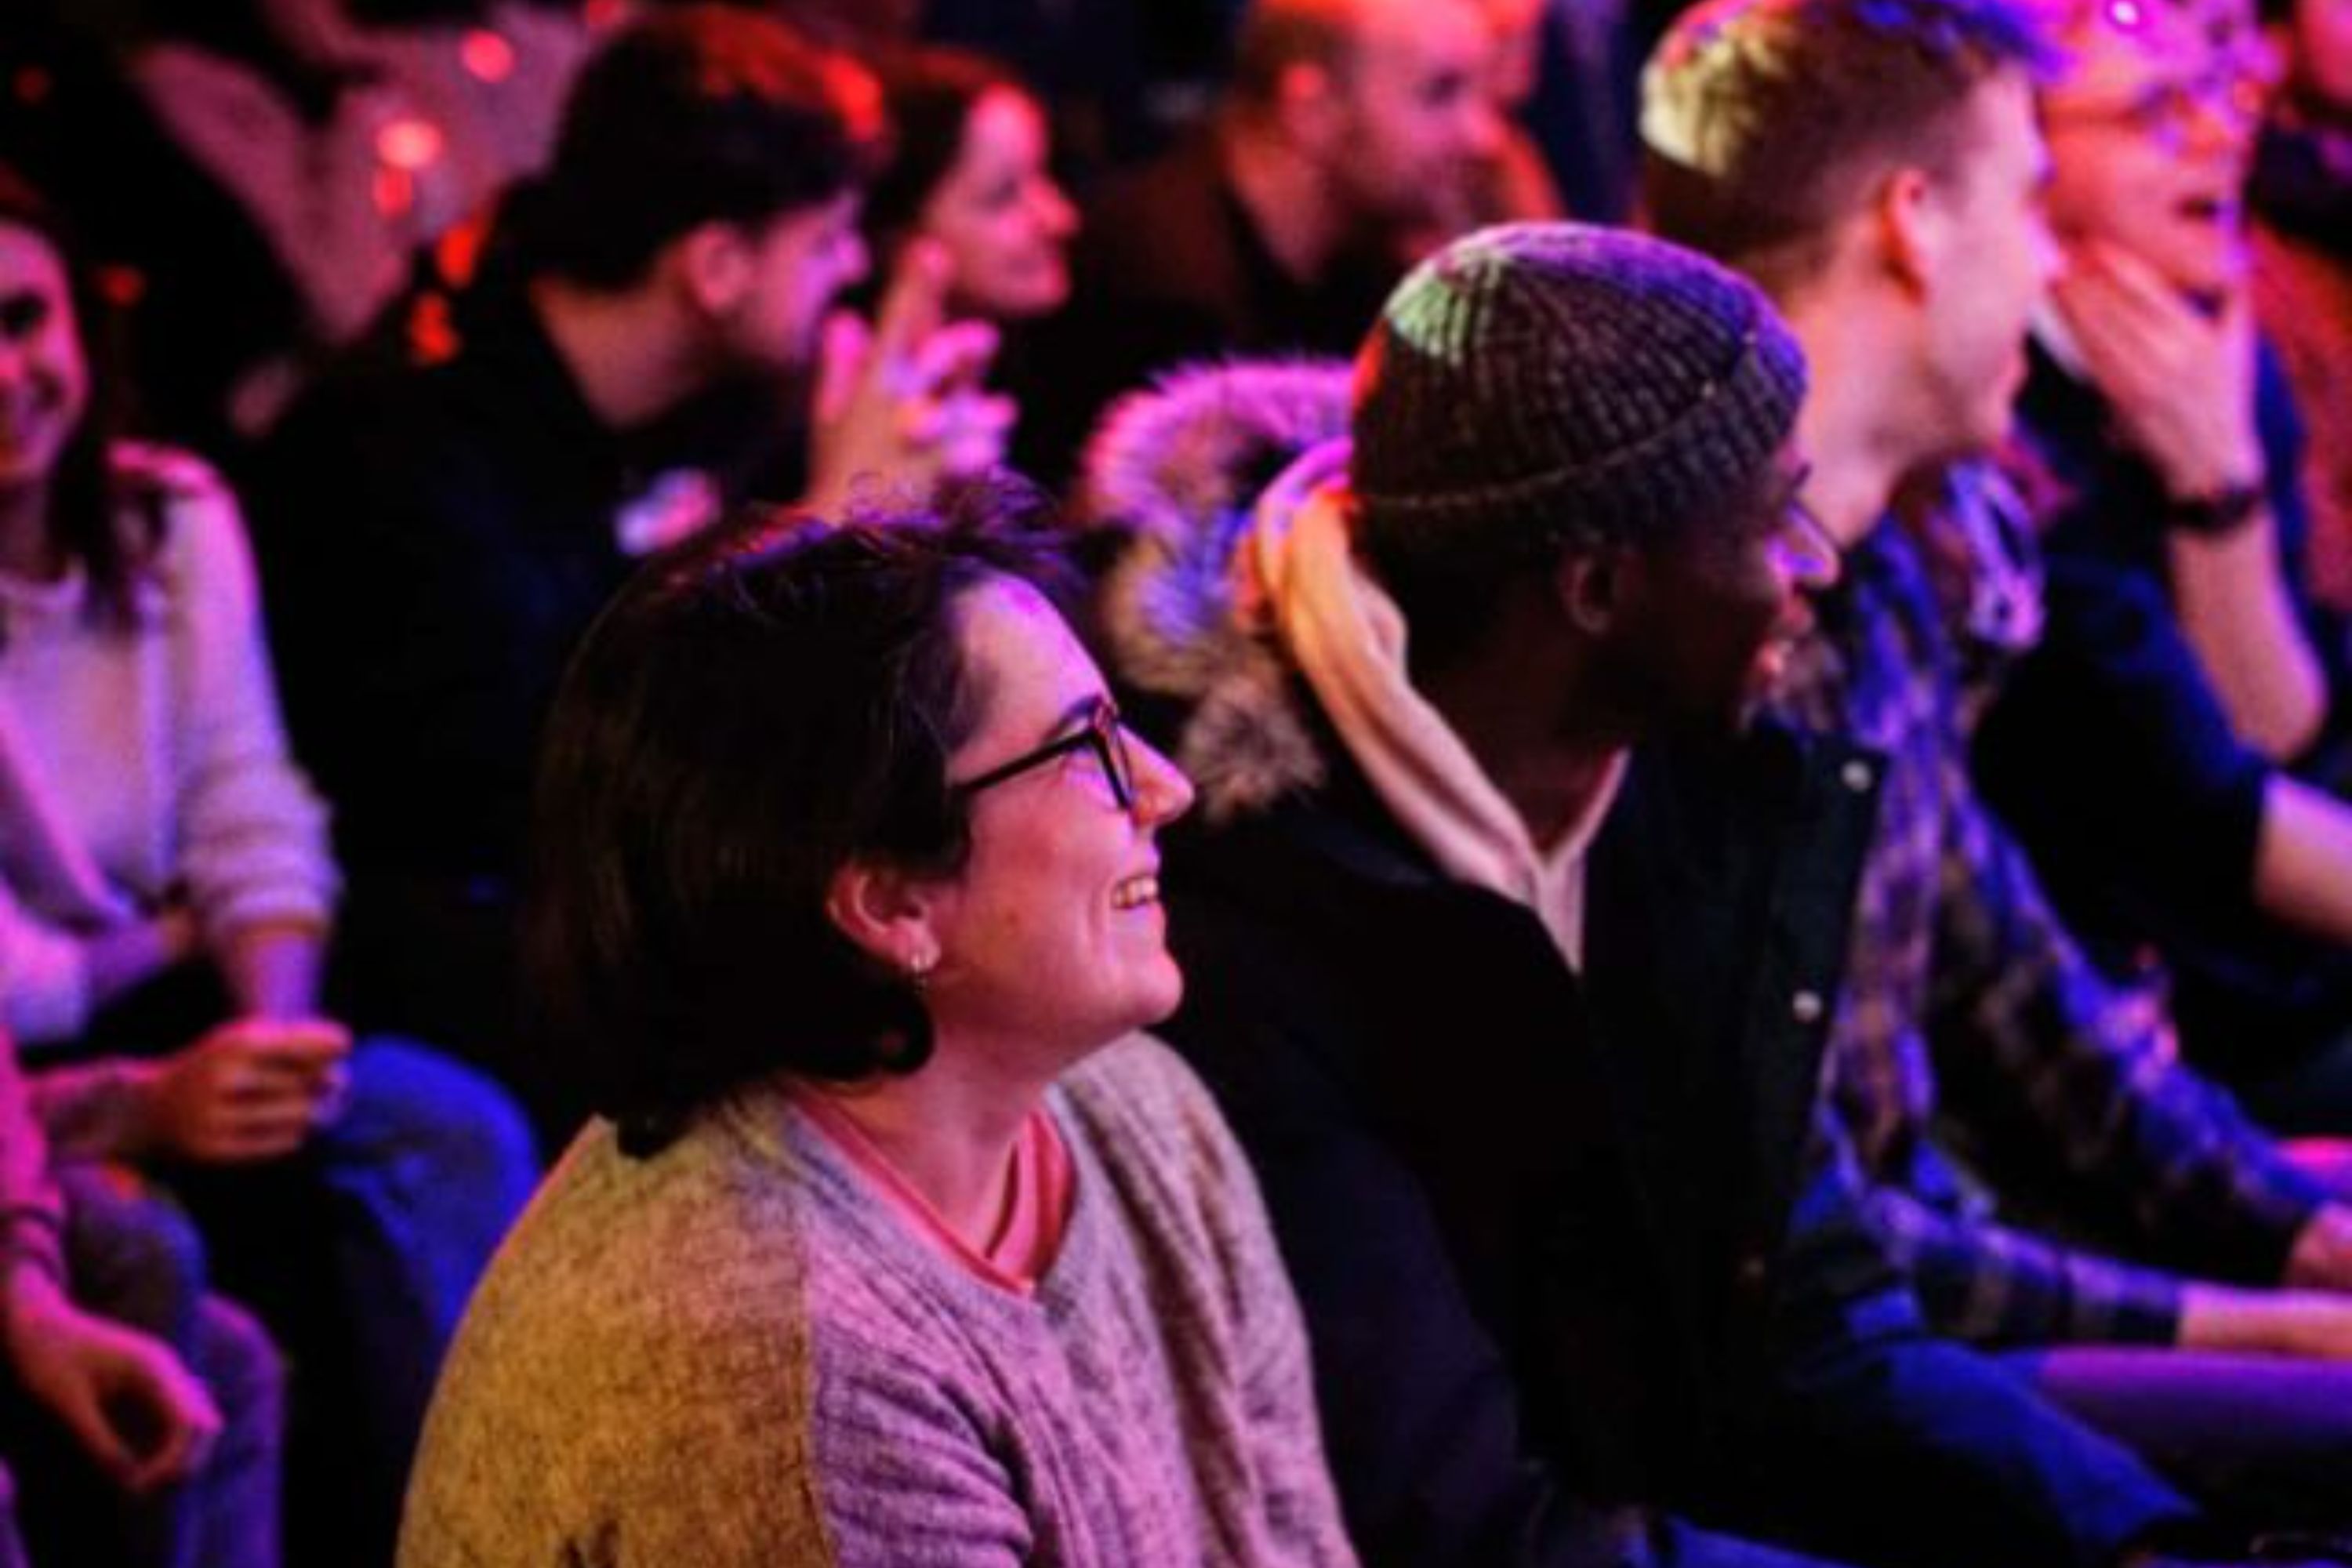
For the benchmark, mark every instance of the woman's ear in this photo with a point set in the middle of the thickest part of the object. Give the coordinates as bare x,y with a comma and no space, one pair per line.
890,915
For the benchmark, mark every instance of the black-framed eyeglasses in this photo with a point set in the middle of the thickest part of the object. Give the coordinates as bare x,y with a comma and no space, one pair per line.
1101,731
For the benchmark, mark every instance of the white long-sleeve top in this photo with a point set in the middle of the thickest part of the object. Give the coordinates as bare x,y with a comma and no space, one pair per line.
136,764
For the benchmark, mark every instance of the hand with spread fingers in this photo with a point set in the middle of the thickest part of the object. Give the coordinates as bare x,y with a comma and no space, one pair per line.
902,401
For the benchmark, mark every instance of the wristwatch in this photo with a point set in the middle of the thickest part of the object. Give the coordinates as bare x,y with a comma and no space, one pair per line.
2224,511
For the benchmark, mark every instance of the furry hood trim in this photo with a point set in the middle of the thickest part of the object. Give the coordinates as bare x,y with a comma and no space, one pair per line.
1183,470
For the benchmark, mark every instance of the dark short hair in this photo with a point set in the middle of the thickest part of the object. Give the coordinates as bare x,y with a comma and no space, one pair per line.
754,710
1767,121
930,93
705,113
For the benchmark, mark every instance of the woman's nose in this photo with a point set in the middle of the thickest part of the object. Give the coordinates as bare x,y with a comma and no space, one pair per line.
1162,793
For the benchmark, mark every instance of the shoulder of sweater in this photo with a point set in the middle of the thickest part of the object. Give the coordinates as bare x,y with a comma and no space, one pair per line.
1139,1080
640,1355
743,1223
169,471
704,1234
184,519
1159,1134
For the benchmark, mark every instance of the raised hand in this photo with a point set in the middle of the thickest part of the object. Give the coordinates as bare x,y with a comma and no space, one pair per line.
2179,377
902,403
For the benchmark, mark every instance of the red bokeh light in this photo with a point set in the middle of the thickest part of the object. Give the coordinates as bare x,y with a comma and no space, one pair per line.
120,286
486,55
409,144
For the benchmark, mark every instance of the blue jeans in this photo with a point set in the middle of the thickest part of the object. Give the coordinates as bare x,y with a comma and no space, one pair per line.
360,1252
232,1518
1680,1545
2265,1442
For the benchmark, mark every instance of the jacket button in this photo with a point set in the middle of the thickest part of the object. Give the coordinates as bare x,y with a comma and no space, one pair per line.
1805,1006
1753,1271
1856,775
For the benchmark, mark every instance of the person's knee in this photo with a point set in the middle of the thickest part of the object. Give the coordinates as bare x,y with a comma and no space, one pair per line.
135,1254
503,1149
239,1362
450,1122
485,1143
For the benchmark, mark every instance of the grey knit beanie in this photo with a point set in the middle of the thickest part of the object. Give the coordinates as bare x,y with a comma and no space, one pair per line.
1536,385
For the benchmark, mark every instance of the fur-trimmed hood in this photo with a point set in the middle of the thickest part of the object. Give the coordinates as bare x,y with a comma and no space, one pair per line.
1184,469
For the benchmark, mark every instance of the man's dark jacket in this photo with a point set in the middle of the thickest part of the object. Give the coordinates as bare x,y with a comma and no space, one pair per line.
436,525
1538,1218
1430,1094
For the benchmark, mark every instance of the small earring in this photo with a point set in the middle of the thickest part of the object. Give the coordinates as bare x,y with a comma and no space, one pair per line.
919,967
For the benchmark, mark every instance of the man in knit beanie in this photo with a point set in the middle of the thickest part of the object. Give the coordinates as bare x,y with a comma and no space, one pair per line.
2047,1170
1549,412
1509,938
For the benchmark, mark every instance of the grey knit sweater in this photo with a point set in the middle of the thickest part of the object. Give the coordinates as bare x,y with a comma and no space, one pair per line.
735,1354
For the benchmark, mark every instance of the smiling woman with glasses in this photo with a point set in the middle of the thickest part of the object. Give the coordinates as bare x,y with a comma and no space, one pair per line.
895,1242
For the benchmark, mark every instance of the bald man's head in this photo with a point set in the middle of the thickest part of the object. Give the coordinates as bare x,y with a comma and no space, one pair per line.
1390,97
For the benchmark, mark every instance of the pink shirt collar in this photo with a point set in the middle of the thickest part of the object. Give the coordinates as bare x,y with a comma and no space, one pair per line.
1028,1235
